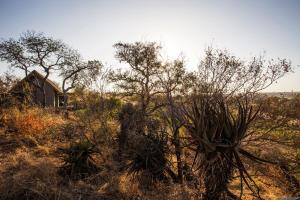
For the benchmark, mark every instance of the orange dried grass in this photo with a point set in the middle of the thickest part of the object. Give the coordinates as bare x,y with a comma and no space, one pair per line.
32,121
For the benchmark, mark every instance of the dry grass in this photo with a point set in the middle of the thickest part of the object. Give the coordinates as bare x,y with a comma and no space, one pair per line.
30,121
29,165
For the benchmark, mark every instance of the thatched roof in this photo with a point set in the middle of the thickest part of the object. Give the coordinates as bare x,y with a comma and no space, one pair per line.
36,74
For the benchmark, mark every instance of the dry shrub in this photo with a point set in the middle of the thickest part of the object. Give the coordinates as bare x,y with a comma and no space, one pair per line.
65,132
149,156
31,121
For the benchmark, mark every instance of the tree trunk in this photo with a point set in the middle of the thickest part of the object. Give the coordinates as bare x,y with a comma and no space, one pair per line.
178,149
123,135
65,101
178,152
217,175
66,113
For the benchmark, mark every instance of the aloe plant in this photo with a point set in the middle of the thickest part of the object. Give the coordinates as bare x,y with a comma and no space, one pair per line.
78,160
217,129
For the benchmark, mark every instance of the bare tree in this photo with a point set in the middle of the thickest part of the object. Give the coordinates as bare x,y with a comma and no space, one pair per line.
75,72
141,80
220,72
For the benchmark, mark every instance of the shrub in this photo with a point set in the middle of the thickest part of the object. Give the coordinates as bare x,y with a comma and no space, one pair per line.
149,154
78,161
97,118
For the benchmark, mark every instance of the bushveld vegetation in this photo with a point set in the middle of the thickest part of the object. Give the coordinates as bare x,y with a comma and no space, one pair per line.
162,132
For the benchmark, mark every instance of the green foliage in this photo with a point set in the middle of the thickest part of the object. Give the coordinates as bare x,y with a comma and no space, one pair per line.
78,160
97,115
95,105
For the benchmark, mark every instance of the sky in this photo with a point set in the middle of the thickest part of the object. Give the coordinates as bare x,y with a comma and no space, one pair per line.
184,28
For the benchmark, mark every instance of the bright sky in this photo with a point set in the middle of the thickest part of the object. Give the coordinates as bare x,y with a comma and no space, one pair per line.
246,28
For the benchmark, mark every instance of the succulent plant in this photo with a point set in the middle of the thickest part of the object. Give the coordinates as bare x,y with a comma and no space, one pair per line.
78,160
217,128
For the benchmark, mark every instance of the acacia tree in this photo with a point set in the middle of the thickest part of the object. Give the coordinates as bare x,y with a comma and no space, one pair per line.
75,72
34,50
141,80
218,114
13,52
